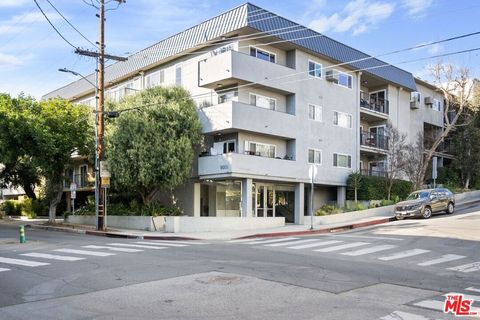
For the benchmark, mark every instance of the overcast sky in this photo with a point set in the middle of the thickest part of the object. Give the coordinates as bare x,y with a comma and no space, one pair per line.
31,52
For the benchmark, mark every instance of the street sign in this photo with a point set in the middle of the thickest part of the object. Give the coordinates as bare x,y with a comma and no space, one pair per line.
312,171
73,194
73,187
104,173
105,182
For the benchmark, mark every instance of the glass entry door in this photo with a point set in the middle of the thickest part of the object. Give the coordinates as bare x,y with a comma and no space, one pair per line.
260,201
264,195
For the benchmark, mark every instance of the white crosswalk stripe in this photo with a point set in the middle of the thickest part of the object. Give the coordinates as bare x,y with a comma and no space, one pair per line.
112,248
342,247
374,249
51,256
181,242
269,241
20,262
85,252
135,246
465,296
473,289
442,259
316,244
431,304
399,315
475,266
243,240
288,243
166,244
404,254
4,269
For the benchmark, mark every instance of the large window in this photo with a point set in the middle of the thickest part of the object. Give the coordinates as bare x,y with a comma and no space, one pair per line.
314,156
155,79
228,96
178,75
314,112
342,160
437,105
261,149
344,80
342,119
224,147
262,101
314,69
262,54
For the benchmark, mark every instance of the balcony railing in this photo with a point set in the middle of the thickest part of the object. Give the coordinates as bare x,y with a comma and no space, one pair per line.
250,153
372,103
373,140
80,180
373,173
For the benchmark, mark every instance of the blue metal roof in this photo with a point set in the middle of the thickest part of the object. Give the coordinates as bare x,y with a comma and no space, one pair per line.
247,15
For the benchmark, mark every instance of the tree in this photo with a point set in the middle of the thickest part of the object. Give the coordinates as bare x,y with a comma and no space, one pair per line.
460,105
413,167
152,147
37,140
396,156
353,183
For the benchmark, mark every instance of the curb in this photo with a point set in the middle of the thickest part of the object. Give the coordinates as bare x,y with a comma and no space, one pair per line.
58,229
132,236
321,231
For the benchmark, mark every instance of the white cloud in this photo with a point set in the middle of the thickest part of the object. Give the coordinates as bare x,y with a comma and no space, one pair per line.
358,16
417,7
12,3
9,60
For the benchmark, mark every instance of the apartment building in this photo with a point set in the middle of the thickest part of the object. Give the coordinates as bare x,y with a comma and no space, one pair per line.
275,99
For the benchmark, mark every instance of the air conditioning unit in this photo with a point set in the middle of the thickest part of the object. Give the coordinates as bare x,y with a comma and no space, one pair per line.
428,100
332,76
414,105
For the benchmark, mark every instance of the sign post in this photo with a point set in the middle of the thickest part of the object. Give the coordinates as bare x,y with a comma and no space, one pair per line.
105,184
312,172
73,195
434,171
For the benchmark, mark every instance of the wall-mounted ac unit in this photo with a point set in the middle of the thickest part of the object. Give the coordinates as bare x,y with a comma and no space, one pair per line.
428,100
414,105
331,76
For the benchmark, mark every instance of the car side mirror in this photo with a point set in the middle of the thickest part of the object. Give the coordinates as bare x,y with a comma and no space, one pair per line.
433,197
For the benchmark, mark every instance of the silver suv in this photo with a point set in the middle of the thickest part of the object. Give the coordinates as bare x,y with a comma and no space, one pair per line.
423,203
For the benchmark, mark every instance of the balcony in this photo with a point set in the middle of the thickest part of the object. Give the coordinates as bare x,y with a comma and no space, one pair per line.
373,108
246,165
373,173
234,116
80,180
234,67
373,141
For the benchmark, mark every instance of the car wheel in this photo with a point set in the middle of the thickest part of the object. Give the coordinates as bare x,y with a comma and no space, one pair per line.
450,208
399,217
427,213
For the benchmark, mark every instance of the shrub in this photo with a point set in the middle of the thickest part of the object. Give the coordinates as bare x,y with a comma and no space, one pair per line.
26,208
355,206
40,207
327,209
11,208
375,188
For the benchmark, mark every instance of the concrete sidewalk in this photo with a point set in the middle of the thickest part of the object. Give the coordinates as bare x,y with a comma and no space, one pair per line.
288,230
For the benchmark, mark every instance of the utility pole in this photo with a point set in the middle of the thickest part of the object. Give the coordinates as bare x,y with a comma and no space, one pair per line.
100,191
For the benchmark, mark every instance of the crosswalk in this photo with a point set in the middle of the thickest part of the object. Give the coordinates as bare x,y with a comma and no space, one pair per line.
384,252
39,259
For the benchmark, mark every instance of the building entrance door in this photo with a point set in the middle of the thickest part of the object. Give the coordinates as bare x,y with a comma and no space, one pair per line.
264,200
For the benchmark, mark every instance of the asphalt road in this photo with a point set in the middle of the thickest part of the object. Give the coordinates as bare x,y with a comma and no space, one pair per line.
400,270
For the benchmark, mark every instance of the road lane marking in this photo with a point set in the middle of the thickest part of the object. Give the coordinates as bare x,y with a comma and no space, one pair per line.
369,250
404,254
112,249
162,244
466,296
442,259
473,289
21,262
4,269
342,246
290,243
134,246
181,242
51,256
367,237
85,252
243,240
269,241
431,304
316,244
475,266
399,315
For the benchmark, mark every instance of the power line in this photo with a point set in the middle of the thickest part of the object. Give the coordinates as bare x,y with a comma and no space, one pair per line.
56,30
71,25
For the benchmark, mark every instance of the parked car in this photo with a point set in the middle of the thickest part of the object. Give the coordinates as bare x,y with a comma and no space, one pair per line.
423,203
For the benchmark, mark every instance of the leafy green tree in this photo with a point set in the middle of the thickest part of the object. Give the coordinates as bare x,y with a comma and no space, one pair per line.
353,183
152,147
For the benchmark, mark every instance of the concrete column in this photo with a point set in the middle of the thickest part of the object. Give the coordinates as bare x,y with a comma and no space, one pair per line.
196,199
247,185
299,202
341,196
212,201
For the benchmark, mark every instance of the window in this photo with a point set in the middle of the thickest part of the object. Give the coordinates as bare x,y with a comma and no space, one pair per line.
229,146
262,54
260,149
342,160
228,96
436,105
314,69
344,80
314,112
415,97
262,101
178,75
342,119
155,79
223,147
314,156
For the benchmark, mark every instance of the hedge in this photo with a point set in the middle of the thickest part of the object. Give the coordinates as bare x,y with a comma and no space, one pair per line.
375,188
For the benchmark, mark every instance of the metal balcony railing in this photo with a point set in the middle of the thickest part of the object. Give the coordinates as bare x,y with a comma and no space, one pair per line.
373,103
374,140
373,172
